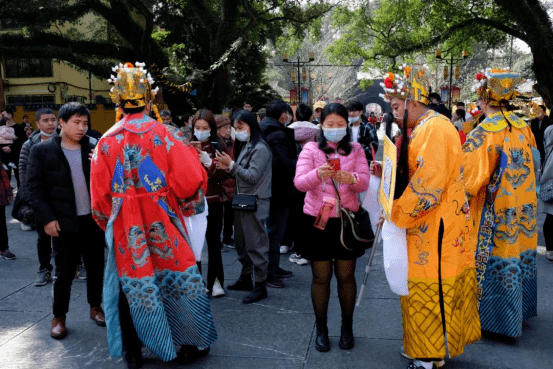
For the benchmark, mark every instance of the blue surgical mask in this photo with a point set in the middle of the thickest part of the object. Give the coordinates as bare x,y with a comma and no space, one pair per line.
242,136
202,136
335,135
352,120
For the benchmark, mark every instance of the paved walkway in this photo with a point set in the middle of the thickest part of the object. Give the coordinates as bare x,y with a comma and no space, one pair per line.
275,333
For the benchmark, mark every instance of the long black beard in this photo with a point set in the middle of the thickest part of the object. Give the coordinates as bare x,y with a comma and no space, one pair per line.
402,174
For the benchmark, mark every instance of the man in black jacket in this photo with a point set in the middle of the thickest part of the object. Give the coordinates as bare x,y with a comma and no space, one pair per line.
283,147
538,126
58,183
362,131
47,122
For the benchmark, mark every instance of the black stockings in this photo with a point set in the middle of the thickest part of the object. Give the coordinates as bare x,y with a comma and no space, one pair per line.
320,288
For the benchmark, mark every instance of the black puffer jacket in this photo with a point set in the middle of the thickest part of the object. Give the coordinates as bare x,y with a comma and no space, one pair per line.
23,159
285,156
49,182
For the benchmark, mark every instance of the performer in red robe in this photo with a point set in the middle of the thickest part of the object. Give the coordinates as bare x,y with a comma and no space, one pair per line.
145,180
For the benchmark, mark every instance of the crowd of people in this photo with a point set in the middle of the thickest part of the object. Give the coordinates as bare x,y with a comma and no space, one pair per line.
149,195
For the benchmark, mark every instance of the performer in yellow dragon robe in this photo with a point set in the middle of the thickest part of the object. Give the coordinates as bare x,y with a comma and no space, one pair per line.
440,314
501,160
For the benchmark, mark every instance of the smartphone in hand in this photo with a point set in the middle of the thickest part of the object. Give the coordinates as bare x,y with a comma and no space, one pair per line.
216,146
196,144
334,163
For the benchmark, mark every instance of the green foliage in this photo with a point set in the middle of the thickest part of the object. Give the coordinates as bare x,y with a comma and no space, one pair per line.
217,44
395,30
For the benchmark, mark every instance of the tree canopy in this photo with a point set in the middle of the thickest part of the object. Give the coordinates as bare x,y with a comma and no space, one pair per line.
215,44
387,32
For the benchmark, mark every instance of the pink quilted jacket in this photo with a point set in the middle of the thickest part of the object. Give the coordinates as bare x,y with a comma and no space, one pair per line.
307,180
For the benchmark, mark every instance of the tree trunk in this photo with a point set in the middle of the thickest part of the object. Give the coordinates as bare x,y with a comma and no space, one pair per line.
533,21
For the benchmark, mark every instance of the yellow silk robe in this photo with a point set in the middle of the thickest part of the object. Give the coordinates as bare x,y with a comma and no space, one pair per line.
503,207
434,211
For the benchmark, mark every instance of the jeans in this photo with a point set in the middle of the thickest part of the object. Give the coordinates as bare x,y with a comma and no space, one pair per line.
89,241
214,244
276,225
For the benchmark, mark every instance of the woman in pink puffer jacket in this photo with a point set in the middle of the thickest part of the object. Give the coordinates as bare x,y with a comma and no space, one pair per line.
321,245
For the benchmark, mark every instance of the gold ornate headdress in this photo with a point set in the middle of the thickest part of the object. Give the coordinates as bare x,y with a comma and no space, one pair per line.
414,85
532,110
495,85
132,87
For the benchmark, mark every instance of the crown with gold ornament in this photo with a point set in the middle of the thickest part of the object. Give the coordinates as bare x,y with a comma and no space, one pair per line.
132,87
414,84
532,110
495,85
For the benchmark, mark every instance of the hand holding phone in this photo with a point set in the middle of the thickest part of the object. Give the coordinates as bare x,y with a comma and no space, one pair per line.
334,164
215,145
196,144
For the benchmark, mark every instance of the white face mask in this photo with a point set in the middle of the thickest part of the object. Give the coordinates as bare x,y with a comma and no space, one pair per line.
46,134
335,135
352,120
242,136
202,136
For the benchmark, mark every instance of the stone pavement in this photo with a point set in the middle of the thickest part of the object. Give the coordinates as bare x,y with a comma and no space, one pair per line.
276,333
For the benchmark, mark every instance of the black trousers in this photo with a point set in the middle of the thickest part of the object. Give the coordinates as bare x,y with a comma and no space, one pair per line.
131,342
548,232
15,172
276,224
214,244
228,221
3,230
89,241
44,244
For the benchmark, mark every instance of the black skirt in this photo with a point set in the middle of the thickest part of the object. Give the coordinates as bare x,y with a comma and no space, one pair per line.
322,245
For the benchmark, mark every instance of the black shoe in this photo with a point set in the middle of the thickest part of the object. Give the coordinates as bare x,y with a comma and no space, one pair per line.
189,354
259,293
229,242
274,282
281,273
134,359
322,343
346,339
241,285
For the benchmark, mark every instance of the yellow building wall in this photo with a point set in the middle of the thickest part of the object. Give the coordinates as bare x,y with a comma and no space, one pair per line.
66,81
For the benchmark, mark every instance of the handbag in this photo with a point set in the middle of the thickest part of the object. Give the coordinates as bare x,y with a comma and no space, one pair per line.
244,201
356,232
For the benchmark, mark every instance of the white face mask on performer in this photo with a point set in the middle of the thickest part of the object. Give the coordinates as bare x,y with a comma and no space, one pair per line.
202,136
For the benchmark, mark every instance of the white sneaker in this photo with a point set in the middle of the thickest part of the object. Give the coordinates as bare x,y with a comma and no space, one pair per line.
295,258
12,165
26,227
217,290
549,255
283,249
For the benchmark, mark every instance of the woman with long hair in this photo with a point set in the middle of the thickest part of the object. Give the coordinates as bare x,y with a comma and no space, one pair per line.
208,143
252,170
332,162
